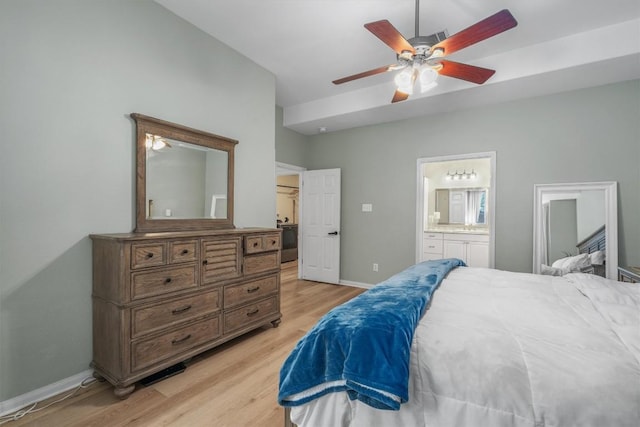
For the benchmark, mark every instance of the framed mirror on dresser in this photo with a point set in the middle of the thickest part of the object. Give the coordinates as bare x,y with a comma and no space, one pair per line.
184,177
576,228
185,280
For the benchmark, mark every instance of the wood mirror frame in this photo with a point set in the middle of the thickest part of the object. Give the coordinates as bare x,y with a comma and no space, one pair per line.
149,125
610,208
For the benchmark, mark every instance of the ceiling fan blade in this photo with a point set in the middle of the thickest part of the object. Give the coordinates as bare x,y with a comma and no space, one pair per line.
470,73
364,74
389,35
399,96
488,27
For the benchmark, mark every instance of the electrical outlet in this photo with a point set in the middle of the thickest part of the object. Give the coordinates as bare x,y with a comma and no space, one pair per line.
375,266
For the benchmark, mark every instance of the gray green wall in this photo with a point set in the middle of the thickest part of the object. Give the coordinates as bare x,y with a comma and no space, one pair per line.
71,73
585,135
291,147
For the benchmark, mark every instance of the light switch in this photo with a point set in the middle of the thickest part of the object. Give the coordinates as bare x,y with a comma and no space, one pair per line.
367,207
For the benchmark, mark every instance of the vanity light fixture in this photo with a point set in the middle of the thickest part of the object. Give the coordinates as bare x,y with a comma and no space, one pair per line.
461,176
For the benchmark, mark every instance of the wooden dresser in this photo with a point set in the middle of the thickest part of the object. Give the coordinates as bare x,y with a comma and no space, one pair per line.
161,298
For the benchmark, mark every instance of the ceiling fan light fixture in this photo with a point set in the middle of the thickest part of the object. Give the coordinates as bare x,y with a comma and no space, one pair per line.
405,80
437,53
427,77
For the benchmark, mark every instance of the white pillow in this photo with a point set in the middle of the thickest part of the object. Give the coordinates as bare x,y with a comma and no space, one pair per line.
552,271
573,263
597,257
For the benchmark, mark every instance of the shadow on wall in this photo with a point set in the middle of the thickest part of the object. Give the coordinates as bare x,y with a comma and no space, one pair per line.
46,324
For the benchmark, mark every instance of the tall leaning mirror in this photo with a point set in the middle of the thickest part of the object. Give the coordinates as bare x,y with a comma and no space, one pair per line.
184,177
574,219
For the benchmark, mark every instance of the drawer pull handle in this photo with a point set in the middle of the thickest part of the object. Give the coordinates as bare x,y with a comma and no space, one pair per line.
167,280
181,340
255,244
185,251
150,255
205,262
252,312
252,290
181,309
273,242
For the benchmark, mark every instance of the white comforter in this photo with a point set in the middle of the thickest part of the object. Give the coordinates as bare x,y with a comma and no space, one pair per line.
498,348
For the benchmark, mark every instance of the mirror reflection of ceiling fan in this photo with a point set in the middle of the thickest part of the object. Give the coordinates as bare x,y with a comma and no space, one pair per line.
155,142
422,58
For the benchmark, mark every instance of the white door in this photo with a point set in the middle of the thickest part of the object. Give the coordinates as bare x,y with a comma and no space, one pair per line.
321,225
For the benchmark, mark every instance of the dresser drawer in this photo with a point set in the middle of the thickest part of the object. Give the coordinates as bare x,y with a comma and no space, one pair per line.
245,292
183,251
261,243
236,319
263,262
147,255
432,246
164,281
153,350
155,317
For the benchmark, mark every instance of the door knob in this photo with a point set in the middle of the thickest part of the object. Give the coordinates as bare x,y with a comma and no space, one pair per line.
333,233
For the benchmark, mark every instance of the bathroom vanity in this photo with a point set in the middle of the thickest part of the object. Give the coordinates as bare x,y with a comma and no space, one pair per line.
471,247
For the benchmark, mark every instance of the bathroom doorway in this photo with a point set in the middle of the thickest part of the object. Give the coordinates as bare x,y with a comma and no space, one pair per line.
455,208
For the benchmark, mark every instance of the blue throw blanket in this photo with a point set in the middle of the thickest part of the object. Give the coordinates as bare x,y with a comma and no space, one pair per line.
363,345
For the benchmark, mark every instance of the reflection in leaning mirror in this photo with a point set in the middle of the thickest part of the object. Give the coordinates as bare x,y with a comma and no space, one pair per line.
575,229
185,180
184,177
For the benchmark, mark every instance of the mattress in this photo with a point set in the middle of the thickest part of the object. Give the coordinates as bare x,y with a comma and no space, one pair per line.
498,348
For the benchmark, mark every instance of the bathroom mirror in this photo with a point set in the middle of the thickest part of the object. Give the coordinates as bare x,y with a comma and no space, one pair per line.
462,206
575,218
184,177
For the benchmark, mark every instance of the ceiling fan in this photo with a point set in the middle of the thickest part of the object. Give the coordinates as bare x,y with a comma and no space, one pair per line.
423,58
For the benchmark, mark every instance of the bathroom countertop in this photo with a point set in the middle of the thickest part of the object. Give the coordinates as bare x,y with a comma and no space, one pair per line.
456,231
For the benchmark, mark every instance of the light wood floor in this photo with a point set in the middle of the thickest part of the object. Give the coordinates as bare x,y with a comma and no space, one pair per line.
234,385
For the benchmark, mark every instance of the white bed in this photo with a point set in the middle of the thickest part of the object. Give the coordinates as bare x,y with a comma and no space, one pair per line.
498,348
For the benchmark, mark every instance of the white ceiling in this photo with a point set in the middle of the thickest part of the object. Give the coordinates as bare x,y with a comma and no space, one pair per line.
557,46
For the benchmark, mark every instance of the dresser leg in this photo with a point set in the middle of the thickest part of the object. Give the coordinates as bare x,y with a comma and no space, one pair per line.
123,392
276,323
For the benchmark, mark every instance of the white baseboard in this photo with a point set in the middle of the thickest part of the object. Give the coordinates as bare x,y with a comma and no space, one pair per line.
19,402
356,284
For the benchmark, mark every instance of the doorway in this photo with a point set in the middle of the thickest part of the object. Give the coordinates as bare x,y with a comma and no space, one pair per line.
288,215
318,219
456,200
